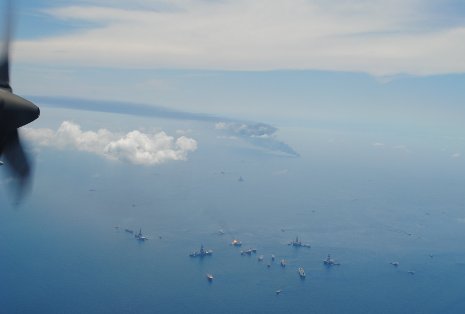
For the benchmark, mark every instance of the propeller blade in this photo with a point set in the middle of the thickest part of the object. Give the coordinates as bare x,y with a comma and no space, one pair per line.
5,53
17,162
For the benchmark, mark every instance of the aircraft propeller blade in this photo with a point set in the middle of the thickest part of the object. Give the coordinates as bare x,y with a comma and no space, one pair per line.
17,162
5,52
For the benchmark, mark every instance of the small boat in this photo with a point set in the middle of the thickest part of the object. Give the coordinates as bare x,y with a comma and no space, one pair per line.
236,242
260,258
301,272
411,272
210,277
129,231
273,257
140,237
278,291
283,263
395,264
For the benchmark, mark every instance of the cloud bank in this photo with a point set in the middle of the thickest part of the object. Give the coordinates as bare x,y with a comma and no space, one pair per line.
134,147
419,37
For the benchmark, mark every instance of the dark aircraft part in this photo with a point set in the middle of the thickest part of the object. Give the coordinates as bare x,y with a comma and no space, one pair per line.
5,73
14,113
15,157
5,53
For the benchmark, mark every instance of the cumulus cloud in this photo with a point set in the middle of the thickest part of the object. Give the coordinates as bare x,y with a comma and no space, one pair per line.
378,37
258,134
134,147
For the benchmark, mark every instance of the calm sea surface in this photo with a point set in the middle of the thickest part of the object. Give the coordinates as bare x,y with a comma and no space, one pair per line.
61,253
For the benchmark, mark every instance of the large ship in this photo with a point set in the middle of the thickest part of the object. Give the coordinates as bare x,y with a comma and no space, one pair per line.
298,243
201,253
248,251
330,262
301,272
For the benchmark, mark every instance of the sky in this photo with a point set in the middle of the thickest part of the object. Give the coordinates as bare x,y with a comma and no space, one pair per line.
389,69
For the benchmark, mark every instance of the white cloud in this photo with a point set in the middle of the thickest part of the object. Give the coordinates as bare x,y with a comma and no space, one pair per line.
134,147
378,37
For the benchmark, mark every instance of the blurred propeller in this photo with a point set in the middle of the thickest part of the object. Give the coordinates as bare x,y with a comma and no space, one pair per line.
14,113
17,162
5,53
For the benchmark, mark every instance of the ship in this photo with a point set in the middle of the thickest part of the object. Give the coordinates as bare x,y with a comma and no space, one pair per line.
283,263
260,258
201,253
140,237
301,272
236,242
210,277
248,251
330,262
298,243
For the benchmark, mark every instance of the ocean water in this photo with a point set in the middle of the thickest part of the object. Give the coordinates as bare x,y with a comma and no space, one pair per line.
61,253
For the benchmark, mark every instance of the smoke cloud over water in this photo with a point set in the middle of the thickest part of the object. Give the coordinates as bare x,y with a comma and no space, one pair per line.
259,134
